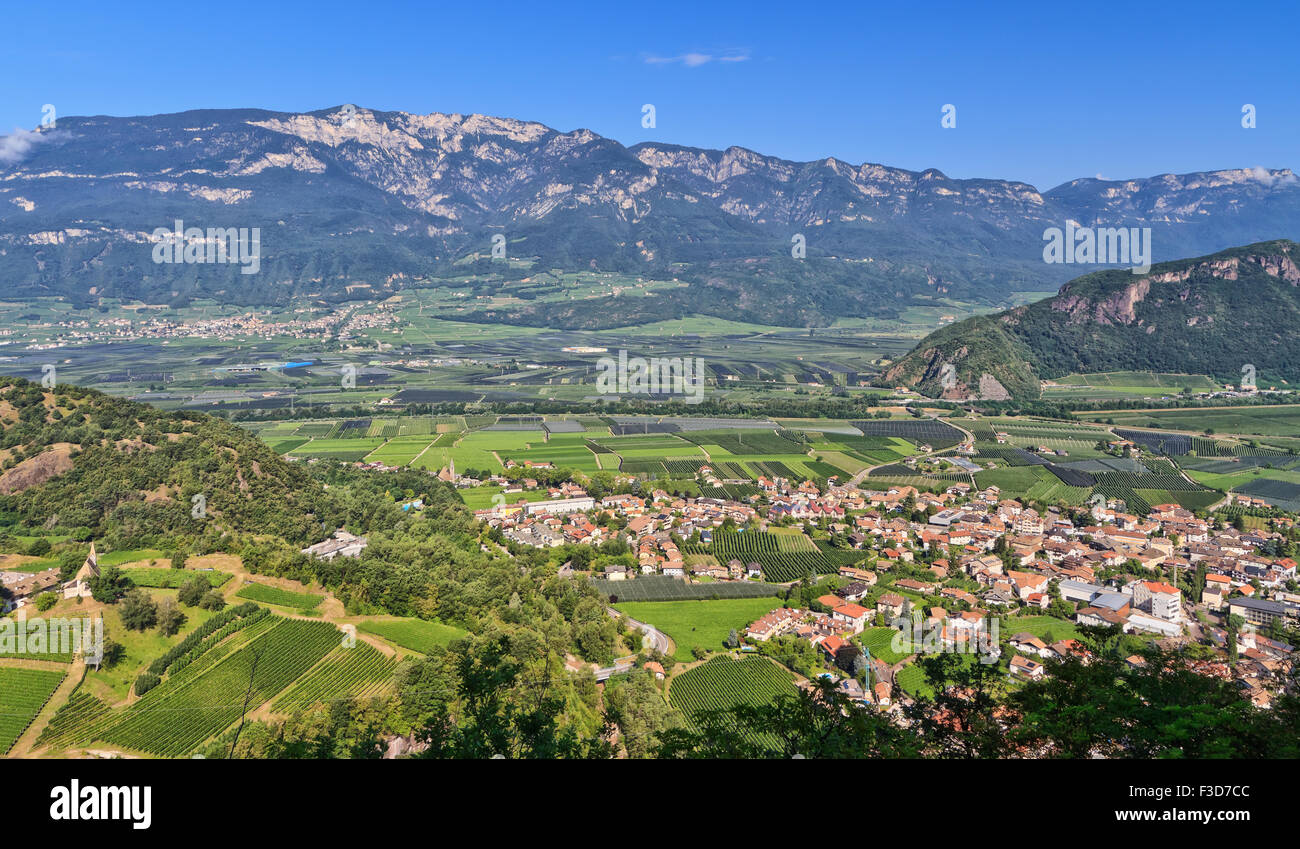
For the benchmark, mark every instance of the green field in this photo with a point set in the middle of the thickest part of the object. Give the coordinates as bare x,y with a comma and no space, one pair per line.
346,672
177,716
163,578
401,450
267,594
879,641
419,635
1280,420
698,623
724,683
75,722
350,450
1127,384
23,692
1039,626
117,558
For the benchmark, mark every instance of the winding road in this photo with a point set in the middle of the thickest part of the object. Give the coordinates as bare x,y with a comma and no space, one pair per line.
658,639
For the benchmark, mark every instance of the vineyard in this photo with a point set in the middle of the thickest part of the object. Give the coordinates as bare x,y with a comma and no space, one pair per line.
723,683
361,670
782,559
1276,492
1169,444
666,588
936,434
285,598
75,723
23,692
177,716
155,578
746,442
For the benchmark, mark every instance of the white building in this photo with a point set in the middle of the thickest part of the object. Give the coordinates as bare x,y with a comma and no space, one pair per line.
1160,600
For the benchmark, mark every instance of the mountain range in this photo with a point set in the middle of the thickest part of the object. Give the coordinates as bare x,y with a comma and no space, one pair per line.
1232,315
352,202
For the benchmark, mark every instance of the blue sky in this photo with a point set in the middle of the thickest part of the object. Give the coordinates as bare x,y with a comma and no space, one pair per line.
1044,92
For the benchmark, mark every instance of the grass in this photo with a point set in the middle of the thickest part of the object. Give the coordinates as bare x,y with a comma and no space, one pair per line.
912,681
1040,626
140,648
419,635
117,558
879,641
480,497
698,623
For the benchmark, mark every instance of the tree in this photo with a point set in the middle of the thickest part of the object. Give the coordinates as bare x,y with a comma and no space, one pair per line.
733,639
637,708
212,600
45,601
178,560
138,610
192,591
110,585
170,617
819,722
114,652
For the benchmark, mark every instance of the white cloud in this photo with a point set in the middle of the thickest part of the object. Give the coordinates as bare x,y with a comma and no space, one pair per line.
15,147
696,59
1271,179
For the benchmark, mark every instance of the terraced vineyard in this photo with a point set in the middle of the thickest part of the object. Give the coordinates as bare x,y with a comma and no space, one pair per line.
23,692
179,715
361,670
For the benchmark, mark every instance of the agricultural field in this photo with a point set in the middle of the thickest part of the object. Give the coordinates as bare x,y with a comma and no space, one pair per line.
165,578
346,450
23,693
117,558
402,450
347,672
783,558
419,635
1127,384
267,594
1263,420
178,715
932,432
698,623
661,588
75,722
911,680
481,497
723,683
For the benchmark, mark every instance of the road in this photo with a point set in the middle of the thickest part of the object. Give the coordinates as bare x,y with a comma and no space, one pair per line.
658,639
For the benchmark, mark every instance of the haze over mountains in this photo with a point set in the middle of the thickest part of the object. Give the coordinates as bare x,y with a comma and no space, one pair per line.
356,203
